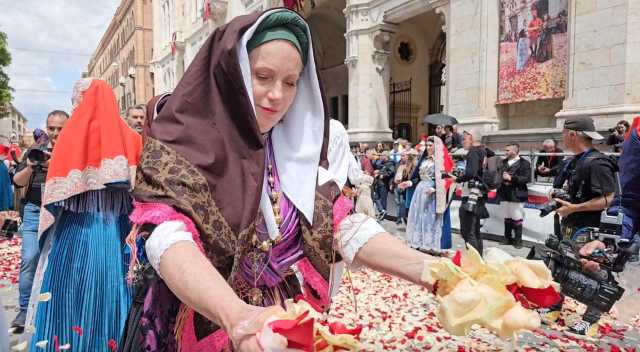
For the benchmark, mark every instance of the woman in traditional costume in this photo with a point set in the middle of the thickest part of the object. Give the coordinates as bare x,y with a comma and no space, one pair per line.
80,295
545,52
522,54
429,202
235,202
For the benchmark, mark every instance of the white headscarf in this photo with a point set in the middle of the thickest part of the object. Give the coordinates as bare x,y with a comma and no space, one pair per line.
297,139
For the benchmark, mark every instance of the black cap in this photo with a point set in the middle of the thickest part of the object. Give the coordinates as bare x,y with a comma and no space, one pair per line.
583,124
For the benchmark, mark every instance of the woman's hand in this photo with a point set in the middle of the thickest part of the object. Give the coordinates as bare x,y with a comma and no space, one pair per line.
192,278
429,191
245,325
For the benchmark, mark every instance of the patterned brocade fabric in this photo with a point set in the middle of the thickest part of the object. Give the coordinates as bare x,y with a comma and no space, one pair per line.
166,177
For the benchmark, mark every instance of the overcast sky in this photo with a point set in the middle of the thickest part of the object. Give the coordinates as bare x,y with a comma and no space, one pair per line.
50,43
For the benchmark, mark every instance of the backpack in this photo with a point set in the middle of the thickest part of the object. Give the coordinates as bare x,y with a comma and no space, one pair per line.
492,172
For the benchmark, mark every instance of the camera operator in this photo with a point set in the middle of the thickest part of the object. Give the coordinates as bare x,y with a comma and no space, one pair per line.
513,192
32,173
591,186
617,135
474,193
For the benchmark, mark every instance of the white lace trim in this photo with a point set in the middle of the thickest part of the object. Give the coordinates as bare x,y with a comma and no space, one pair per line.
89,179
80,181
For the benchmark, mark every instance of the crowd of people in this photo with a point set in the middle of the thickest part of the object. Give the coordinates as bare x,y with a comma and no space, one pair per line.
405,170
187,223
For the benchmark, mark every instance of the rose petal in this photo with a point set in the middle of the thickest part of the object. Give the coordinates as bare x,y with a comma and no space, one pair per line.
44,297
42,344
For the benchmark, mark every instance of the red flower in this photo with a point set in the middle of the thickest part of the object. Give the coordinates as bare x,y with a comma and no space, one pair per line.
113,345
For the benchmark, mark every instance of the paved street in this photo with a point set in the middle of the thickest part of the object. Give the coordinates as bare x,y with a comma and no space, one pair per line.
400,316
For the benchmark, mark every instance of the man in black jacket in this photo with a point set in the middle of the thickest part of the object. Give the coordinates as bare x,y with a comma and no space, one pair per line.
549,165
474,193
617,135
383,174
516,173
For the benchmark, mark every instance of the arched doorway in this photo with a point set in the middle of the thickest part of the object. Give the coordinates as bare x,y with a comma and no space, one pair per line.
418,58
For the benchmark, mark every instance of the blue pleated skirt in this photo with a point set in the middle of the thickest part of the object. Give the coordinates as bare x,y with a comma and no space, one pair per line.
85,276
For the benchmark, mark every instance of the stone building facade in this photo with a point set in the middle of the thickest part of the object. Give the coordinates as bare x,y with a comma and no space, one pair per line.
182,26
385,64
13,126
124,52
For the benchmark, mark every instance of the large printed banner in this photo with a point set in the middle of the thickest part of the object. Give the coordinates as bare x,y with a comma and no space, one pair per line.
533,50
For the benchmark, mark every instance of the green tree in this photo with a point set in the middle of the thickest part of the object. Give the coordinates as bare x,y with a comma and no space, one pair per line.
5,60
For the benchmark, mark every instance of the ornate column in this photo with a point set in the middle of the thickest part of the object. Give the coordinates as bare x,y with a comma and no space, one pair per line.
368,47
472,63
443,12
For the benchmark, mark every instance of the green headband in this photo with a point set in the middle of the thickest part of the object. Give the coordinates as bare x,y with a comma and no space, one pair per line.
282,25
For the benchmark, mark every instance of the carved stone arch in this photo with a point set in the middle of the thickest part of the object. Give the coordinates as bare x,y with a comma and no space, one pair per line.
439,49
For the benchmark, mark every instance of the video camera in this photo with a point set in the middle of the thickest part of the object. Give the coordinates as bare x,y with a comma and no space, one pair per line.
553,205
595,289
38,157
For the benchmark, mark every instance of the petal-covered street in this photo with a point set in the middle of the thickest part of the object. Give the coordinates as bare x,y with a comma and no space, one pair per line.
399,316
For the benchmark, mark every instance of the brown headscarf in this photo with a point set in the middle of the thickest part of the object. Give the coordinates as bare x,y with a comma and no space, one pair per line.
204,148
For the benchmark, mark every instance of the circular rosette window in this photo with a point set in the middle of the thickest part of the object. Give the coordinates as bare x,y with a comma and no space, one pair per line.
404,49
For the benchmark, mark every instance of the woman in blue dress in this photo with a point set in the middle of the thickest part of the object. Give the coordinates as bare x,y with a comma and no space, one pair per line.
80,298
429,202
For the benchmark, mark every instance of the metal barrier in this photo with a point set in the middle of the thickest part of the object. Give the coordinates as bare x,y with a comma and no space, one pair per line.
532,157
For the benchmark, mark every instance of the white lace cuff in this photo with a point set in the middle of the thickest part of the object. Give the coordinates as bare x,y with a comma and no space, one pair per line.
354,232
164,236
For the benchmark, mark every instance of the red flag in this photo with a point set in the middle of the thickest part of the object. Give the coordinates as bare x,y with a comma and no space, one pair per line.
207,11
174,48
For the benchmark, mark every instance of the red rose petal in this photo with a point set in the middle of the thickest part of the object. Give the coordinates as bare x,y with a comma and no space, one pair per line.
113,345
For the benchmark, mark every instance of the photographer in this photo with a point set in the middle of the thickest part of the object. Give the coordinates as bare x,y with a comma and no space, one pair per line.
591,186
32,173
513,193
474,193
617,135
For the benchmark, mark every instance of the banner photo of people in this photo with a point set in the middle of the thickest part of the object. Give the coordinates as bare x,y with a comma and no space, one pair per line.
533,50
